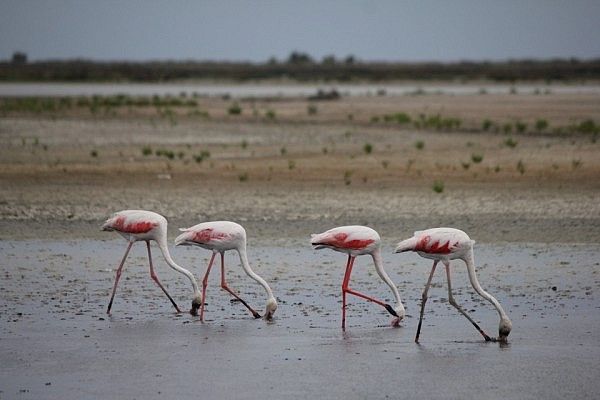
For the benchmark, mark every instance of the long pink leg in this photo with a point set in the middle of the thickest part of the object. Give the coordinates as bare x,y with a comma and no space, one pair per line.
155,278
459,308
346,289
349,265
118,276
205,284
424,300
224,286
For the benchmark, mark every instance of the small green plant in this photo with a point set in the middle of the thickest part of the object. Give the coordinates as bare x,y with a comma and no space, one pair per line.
486,124
521,167
291,164
510,142
234,109
576,164
283,151
243,177
204,154
541,125
476,158
385,164
507,128
497,169
465,165
419,144
146,150
270,114
312,109
438,186
368,148
347,176
94,153
520,126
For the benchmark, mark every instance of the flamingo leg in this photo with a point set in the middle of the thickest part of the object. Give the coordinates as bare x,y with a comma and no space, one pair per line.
224,286
346,289
205,284
455,304
349,265
119,269
424,299
155,278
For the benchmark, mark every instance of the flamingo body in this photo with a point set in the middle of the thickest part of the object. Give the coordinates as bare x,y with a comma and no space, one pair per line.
445,244
219,237
356,240
142,225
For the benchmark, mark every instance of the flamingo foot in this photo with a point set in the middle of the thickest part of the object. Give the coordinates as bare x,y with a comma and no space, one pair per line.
395,322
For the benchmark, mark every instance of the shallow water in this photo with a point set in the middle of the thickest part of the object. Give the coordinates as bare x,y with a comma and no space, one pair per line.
57,342
279,90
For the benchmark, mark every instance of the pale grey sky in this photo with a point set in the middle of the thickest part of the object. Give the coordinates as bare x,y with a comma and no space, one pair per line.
443,30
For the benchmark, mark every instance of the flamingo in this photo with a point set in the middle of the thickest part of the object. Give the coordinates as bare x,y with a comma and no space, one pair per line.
141,225
356,241
220,236
445,244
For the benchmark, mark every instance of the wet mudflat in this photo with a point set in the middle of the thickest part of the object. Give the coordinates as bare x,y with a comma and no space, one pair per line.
57,342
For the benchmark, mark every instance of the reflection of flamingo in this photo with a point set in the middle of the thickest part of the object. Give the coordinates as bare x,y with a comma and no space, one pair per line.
445,244
356,241
220,236
138,225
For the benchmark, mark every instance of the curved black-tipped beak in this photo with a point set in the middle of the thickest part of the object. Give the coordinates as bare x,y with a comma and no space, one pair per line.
194,309
391,310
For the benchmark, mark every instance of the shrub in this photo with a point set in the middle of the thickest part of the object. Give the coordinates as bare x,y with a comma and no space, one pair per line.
234,109
477,158
438,186
541,124
510,142
419,144
311,109
368,148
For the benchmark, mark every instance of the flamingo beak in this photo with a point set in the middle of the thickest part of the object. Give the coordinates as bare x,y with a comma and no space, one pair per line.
195,307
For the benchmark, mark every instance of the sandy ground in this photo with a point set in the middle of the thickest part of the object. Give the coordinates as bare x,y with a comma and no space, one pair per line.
537,228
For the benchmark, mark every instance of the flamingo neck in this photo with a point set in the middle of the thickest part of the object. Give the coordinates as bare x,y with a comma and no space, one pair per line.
251,273
470,261
164,248
384,276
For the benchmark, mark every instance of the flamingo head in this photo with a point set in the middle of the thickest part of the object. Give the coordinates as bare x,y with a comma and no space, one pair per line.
270,309
504,329
196,303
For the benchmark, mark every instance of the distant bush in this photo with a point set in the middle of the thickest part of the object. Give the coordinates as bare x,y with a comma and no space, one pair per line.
476,158
541,125
368,148
234,109
438,186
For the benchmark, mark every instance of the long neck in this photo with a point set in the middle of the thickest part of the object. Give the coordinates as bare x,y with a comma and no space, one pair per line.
165,251
252,274
384,276
470,261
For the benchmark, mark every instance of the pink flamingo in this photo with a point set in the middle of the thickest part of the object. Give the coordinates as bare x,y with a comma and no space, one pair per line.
445,244
356,241
140,225
220,236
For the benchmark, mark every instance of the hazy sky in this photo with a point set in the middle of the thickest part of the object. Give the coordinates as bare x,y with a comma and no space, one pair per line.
444,30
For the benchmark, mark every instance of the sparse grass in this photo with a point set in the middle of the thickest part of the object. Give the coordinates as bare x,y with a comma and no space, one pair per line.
476,158
368,148
541,125
147,150
497,169
521,167
234,109
520,126
312,109
170,154
204,154
507,128
466,165
283,151
270,114
243,177
575,164
486,125
347,177
419,145
385,164
510,142
94,153
291,164
438,186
